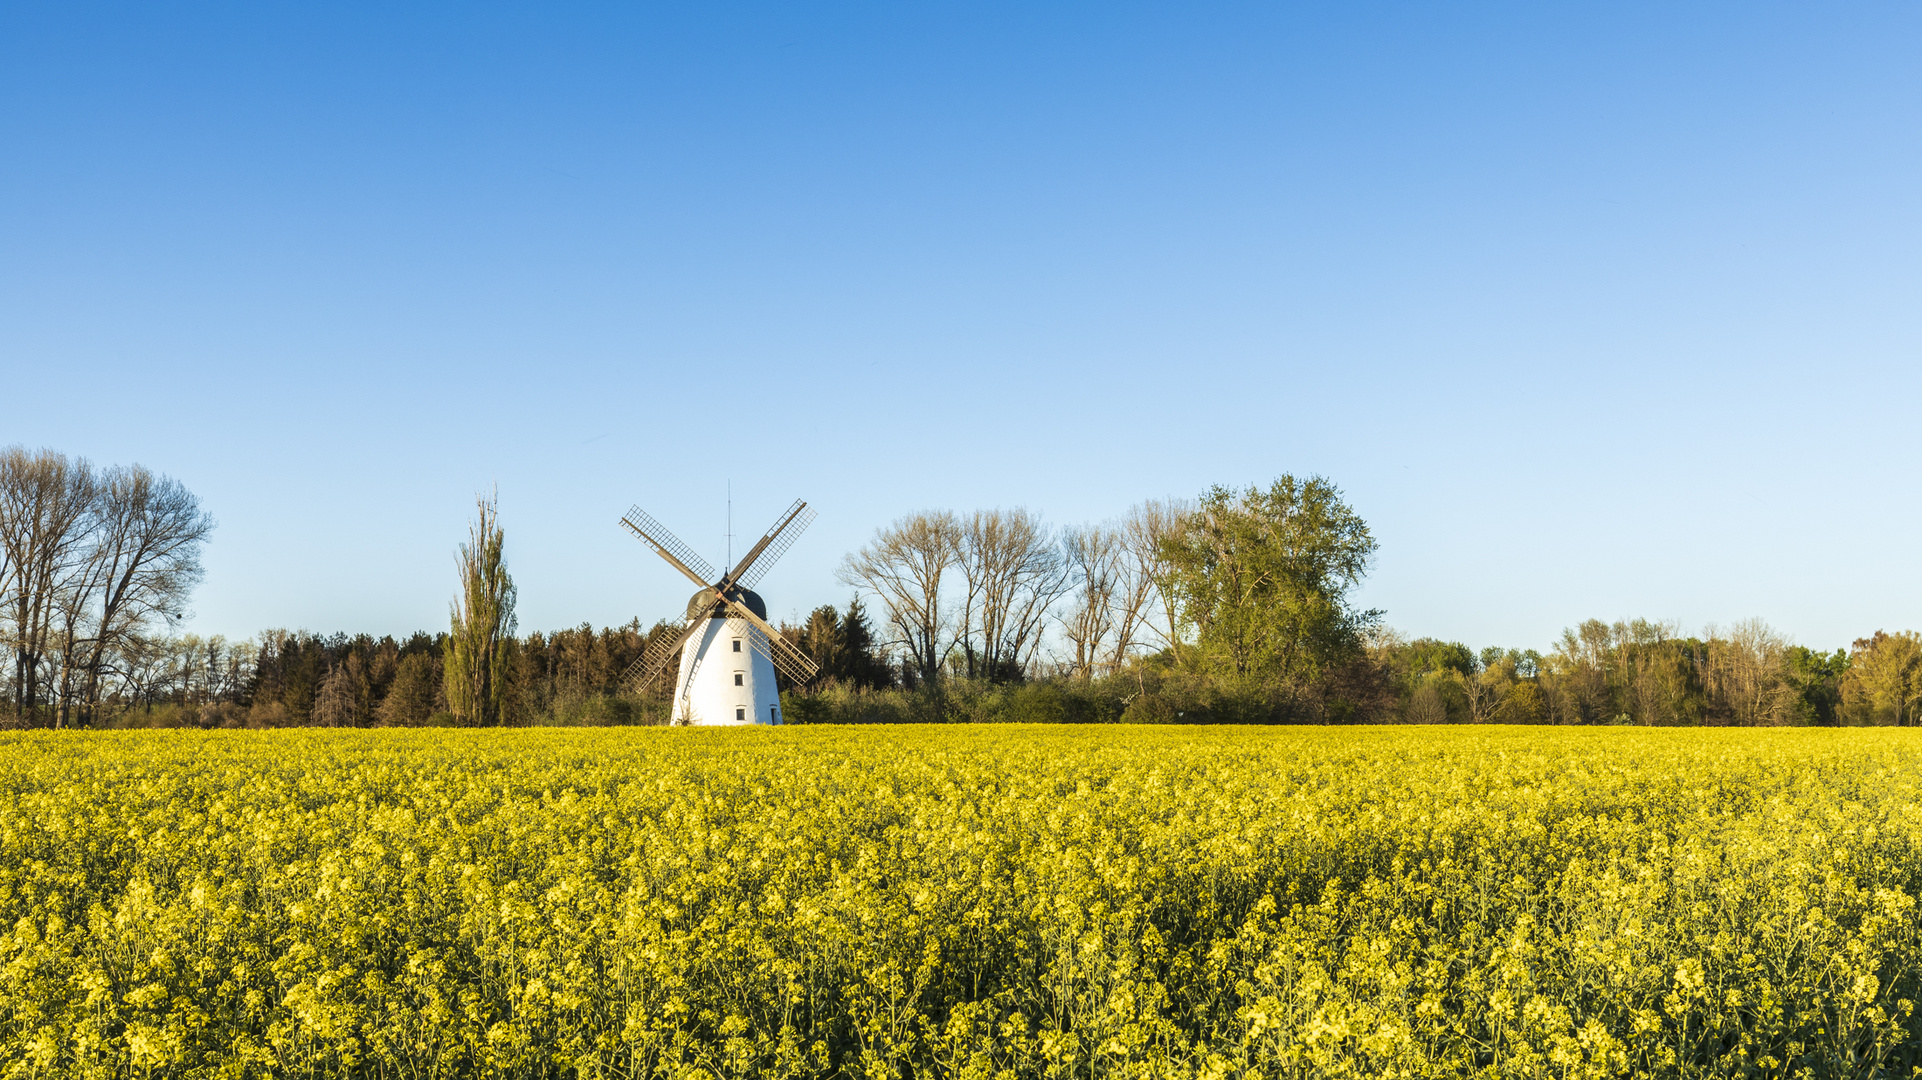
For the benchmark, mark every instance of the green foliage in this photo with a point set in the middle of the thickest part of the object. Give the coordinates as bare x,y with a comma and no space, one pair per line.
558,677
961,902
1817,680
384,681
1051,701
412,697
1262,579
607,710
1643,673
1522,703
843,646
1431,657
1883,681
961,701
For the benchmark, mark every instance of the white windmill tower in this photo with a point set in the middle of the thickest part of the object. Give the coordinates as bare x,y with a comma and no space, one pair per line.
729,653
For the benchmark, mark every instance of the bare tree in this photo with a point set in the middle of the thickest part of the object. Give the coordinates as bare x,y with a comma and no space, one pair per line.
144,669
1014,574
1426,706
86,561
223,667
1096,562
46,502
144,561
337,701
902,567
71,641
1147,583
1747,672
1483,692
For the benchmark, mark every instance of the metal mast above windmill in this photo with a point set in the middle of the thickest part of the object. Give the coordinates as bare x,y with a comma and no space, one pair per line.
729,654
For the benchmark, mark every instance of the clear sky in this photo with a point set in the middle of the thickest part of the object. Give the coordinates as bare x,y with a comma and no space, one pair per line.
1594,310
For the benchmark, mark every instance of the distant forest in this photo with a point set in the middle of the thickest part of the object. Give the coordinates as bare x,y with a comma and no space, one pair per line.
1230,608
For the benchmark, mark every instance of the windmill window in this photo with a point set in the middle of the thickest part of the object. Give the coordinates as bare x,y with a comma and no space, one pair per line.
737,644
740,714
737,679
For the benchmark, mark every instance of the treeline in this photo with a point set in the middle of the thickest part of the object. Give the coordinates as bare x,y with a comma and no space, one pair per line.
568,677
1635,672
299,679
1231,608
1650,674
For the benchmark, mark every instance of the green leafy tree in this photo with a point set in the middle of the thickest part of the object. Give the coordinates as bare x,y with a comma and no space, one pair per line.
1522,704
1427,656
477,657
1817,680
1883,684
1261,580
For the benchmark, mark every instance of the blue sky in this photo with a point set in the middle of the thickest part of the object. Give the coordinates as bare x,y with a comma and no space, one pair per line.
1591,310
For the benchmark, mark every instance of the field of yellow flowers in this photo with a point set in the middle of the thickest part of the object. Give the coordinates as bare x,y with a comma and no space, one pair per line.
961,902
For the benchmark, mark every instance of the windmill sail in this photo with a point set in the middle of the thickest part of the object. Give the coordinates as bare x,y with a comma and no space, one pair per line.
657,655
778,539
668,546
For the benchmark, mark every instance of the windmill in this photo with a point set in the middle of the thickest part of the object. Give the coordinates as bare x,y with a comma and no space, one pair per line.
729,653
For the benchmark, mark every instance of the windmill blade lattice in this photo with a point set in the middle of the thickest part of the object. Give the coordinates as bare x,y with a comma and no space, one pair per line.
670,547
778,540
658,655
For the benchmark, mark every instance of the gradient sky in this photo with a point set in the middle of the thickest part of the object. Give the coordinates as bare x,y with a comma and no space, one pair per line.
1601,310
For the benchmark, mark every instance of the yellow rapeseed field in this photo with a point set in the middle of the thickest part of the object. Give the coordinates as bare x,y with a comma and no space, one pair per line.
961,902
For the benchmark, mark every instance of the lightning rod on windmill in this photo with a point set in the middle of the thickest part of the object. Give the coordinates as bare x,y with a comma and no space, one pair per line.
729,654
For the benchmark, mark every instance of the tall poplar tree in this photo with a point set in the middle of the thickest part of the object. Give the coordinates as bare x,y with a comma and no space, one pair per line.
483,622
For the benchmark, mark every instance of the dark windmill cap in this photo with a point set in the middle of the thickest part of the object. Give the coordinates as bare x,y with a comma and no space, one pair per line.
702,603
